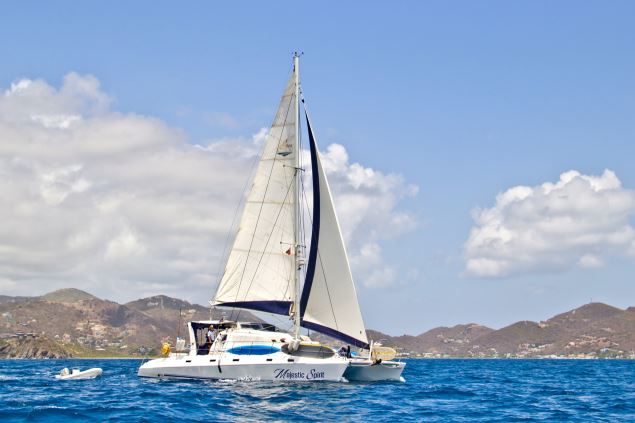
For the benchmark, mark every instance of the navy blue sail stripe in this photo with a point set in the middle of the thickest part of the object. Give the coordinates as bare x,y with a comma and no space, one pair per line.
315,229
275,307
335,334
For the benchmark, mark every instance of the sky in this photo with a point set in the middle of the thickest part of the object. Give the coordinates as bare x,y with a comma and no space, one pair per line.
482,152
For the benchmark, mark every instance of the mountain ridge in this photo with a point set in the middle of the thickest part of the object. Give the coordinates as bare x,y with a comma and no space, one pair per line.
86,324
68,295
593,330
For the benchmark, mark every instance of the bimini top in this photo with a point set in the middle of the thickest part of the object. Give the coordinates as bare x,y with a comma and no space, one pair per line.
222,324
226,324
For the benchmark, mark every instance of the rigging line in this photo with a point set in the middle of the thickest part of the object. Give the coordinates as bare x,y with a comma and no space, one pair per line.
263,252
261,205
289,277
240,202
266,244
281,323
225,253
307,213
293,180
302,211
328,291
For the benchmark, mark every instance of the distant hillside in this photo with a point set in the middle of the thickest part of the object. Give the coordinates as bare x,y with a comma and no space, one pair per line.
508,339
76,317
163,302
71,322
165,310
68,295
442,340
593,330
452,340
5,299
80,322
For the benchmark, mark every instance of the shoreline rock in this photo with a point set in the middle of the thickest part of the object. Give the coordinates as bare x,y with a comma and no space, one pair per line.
32,347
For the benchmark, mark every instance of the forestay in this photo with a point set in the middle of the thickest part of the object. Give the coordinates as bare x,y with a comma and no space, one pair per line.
259,274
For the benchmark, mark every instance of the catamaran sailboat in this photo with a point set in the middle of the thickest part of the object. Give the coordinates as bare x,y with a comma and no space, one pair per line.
264,272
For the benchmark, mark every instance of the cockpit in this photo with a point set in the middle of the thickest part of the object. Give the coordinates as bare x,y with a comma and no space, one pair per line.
199,332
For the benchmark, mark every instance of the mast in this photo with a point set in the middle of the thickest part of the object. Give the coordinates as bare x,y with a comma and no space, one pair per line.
296,149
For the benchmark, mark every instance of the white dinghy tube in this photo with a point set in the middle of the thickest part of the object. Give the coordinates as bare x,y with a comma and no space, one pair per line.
77,374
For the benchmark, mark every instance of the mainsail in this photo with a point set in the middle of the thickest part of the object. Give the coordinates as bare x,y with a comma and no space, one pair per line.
260,272
329,301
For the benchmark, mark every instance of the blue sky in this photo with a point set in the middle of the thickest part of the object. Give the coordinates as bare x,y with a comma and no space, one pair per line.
463,99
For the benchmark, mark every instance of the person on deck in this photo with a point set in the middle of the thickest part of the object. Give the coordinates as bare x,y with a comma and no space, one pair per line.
345,351
211,335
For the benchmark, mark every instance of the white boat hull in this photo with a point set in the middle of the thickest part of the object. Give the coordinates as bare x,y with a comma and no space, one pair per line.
258,367
86,374
366,371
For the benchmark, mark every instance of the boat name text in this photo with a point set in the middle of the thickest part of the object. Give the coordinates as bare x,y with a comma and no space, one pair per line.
289,374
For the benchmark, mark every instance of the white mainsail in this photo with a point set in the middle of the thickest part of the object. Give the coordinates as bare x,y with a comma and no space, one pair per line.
329,302
260,272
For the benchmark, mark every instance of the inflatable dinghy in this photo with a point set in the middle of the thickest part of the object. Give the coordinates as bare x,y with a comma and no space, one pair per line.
76,374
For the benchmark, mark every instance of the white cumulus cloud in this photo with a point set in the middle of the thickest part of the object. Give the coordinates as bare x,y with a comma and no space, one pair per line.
366,201
577,221
123,206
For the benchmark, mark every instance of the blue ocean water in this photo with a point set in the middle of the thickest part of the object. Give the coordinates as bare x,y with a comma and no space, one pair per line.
435,390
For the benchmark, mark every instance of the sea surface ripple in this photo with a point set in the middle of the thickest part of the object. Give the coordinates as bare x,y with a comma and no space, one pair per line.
435,390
